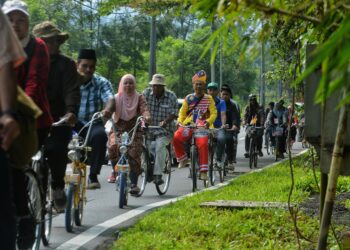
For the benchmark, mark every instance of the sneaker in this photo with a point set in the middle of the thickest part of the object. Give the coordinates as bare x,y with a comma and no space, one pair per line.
112,178
26,233
158,180
93,185
246,155
203,176
134,190
183,163
59,199
261,154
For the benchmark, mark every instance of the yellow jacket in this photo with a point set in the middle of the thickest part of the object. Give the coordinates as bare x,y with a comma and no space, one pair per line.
206,107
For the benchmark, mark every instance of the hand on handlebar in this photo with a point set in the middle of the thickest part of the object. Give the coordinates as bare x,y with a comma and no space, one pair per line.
70,119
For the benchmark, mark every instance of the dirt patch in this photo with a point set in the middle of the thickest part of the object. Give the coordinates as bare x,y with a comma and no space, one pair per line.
340,215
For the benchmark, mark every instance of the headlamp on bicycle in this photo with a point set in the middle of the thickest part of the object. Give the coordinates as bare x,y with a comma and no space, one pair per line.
123,149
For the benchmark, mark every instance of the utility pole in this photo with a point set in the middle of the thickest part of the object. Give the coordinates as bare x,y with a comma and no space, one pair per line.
262,76
212,65
220,63
152,58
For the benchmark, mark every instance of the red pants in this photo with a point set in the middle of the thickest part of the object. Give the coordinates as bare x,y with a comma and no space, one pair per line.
181,137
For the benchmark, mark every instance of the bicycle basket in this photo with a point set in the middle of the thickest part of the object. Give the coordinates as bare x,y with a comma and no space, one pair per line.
250,131
278,131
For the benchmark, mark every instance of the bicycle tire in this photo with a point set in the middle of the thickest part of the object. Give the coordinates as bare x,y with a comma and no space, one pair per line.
48,213
35,203
144,176
255,156
69,211
211,172
194,155
277,151
166,174
251,153
122,189
79,207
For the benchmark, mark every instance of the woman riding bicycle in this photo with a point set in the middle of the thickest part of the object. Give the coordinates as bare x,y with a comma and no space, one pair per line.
126,106
198,108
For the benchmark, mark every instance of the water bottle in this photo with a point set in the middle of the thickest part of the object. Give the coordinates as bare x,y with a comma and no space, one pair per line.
125,138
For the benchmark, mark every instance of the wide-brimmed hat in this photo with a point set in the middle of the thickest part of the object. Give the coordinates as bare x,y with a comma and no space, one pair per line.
47,29
157,79
13,5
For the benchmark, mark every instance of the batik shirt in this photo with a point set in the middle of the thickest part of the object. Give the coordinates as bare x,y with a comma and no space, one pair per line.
94,95
204,110
160,109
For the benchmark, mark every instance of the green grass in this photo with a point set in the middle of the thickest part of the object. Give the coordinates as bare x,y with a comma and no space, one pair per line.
186,225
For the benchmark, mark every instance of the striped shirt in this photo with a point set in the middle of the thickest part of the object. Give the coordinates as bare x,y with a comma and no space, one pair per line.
94,95
160,109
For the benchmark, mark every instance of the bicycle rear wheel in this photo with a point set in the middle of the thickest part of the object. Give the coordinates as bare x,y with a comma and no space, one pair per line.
69,211
166,174
35,203
194,165
48,212
145,175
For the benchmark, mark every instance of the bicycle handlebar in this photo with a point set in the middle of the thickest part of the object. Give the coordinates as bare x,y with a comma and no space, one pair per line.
61,122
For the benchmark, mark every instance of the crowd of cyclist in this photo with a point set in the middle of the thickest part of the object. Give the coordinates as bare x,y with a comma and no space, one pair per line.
62,88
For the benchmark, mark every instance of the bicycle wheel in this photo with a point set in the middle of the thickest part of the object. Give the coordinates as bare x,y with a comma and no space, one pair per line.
194,166
48,213
251,153
255,159
277,146
145,175
267,144
166,174
122,190
35,203
69,211
79,207
211,165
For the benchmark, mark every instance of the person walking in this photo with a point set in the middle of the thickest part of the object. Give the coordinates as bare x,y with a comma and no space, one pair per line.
64,99
162,104
95,91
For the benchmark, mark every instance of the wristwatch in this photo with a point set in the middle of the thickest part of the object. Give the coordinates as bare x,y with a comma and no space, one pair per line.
11,113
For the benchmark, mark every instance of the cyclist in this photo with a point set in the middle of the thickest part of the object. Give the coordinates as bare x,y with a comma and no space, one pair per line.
64,100
198,108
162,104
254,111
95,91
279,117
126,106
11,56
220,122
233,120
32,77
268,127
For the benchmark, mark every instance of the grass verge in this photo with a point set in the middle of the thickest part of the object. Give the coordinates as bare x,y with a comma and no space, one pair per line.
186,225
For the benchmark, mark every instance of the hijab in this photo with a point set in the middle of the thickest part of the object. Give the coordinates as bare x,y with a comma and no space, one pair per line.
126,104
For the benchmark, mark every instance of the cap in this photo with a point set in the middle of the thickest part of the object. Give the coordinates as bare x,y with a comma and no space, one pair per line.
13,5
47,29
87,54
200,76
158,79
212,85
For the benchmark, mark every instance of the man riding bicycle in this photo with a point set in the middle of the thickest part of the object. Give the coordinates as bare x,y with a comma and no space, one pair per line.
220,122
198,108
162,105
256,112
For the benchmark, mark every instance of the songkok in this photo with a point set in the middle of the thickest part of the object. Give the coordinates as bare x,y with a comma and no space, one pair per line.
87,54
200,76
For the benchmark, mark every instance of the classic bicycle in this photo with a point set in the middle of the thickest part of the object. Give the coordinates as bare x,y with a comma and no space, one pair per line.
252,131
194,156
147,163
122,167
41,168
76,178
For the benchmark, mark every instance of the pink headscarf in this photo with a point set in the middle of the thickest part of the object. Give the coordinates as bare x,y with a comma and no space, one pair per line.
126,104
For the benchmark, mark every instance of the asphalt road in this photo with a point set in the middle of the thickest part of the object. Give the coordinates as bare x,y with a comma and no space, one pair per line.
102,217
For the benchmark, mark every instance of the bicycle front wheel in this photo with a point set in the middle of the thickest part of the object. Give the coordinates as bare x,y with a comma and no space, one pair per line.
251,153
48,212
35,203
79,202
211,165
143,178
122,190
69,211
194,165
166,173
